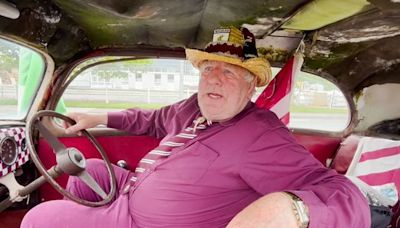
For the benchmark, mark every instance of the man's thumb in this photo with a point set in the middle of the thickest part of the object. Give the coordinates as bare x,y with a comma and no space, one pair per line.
72,129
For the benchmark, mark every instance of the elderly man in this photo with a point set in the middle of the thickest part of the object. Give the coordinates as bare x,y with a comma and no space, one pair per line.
236,166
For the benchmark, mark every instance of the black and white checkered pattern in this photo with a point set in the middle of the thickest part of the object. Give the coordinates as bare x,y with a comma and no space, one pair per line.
18,133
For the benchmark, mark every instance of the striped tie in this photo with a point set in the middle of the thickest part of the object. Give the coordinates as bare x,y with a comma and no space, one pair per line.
164,149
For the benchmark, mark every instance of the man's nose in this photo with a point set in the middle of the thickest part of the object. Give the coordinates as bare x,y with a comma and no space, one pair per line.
215,77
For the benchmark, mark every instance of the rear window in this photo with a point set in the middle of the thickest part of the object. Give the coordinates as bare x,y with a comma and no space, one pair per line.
316,103
149,84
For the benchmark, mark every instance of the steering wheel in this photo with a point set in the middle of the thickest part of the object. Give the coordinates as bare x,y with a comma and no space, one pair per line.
69,160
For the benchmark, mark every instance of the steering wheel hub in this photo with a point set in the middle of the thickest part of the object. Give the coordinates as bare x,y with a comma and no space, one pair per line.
71,161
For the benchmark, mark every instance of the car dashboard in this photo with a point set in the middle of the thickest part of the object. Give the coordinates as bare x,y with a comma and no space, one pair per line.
13,156
13,151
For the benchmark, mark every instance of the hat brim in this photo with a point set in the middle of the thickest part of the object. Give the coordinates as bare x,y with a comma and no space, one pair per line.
260,67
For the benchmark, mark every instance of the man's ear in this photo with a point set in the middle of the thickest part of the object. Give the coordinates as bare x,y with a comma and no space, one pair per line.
252,89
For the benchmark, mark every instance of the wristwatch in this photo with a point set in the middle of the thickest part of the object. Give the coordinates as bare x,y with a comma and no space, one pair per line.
300,210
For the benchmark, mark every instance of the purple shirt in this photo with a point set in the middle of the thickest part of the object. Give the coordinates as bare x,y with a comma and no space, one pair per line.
206,182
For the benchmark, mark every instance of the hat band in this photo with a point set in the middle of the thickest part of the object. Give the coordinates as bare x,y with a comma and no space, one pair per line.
226,49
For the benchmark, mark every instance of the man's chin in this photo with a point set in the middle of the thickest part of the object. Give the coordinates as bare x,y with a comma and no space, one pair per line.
214,116
210,116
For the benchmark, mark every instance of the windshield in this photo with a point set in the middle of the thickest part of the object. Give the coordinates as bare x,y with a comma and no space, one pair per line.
21,70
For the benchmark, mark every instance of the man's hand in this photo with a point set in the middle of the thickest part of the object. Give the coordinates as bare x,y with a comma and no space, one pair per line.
85,121
270,211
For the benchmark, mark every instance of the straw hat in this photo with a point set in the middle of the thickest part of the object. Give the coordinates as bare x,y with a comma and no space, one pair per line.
236,47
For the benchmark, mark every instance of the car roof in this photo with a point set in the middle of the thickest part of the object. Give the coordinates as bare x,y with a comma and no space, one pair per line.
355,42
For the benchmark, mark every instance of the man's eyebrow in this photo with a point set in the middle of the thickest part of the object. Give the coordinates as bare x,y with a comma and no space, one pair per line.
205,63
234,67
208,62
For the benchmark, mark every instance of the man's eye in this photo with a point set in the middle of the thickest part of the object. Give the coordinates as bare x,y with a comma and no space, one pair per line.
229,73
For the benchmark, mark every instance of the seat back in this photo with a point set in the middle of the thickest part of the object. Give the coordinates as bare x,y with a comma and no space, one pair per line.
358,156
377,163
396,216
345,153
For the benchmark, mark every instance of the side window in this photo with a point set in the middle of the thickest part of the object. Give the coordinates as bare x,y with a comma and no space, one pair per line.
318,104
149,84
157,79
21,71
171,78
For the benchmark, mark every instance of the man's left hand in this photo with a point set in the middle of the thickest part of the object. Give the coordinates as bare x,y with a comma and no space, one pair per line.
272,210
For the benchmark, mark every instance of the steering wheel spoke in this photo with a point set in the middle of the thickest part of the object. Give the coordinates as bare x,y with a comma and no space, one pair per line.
89,181
50,138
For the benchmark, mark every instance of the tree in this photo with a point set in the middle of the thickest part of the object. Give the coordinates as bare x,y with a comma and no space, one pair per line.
119,70
9,57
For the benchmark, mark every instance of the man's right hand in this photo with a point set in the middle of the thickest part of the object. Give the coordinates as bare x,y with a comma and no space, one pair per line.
85,121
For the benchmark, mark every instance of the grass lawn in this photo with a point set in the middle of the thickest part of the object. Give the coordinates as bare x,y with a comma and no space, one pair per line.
8,102
113,105
294,109
308,109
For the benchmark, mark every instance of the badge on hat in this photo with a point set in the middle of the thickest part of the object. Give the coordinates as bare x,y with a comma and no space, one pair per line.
231,35
221,35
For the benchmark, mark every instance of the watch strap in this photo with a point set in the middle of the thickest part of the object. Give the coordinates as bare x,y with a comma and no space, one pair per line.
300,210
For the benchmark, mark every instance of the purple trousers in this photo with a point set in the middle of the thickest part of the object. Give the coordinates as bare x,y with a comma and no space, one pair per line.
65,213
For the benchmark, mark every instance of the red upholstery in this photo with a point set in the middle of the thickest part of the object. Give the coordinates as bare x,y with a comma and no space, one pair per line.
342,162
322,147
345,154
12,219
396,216
128,148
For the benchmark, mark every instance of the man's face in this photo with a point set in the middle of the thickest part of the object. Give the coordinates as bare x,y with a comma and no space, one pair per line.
223,90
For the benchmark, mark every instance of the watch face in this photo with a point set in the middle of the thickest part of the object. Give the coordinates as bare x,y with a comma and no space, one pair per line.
8,151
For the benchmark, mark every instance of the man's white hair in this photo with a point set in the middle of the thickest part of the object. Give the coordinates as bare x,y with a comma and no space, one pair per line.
249,77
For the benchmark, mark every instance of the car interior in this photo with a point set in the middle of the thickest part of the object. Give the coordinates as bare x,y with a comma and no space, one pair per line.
62,56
